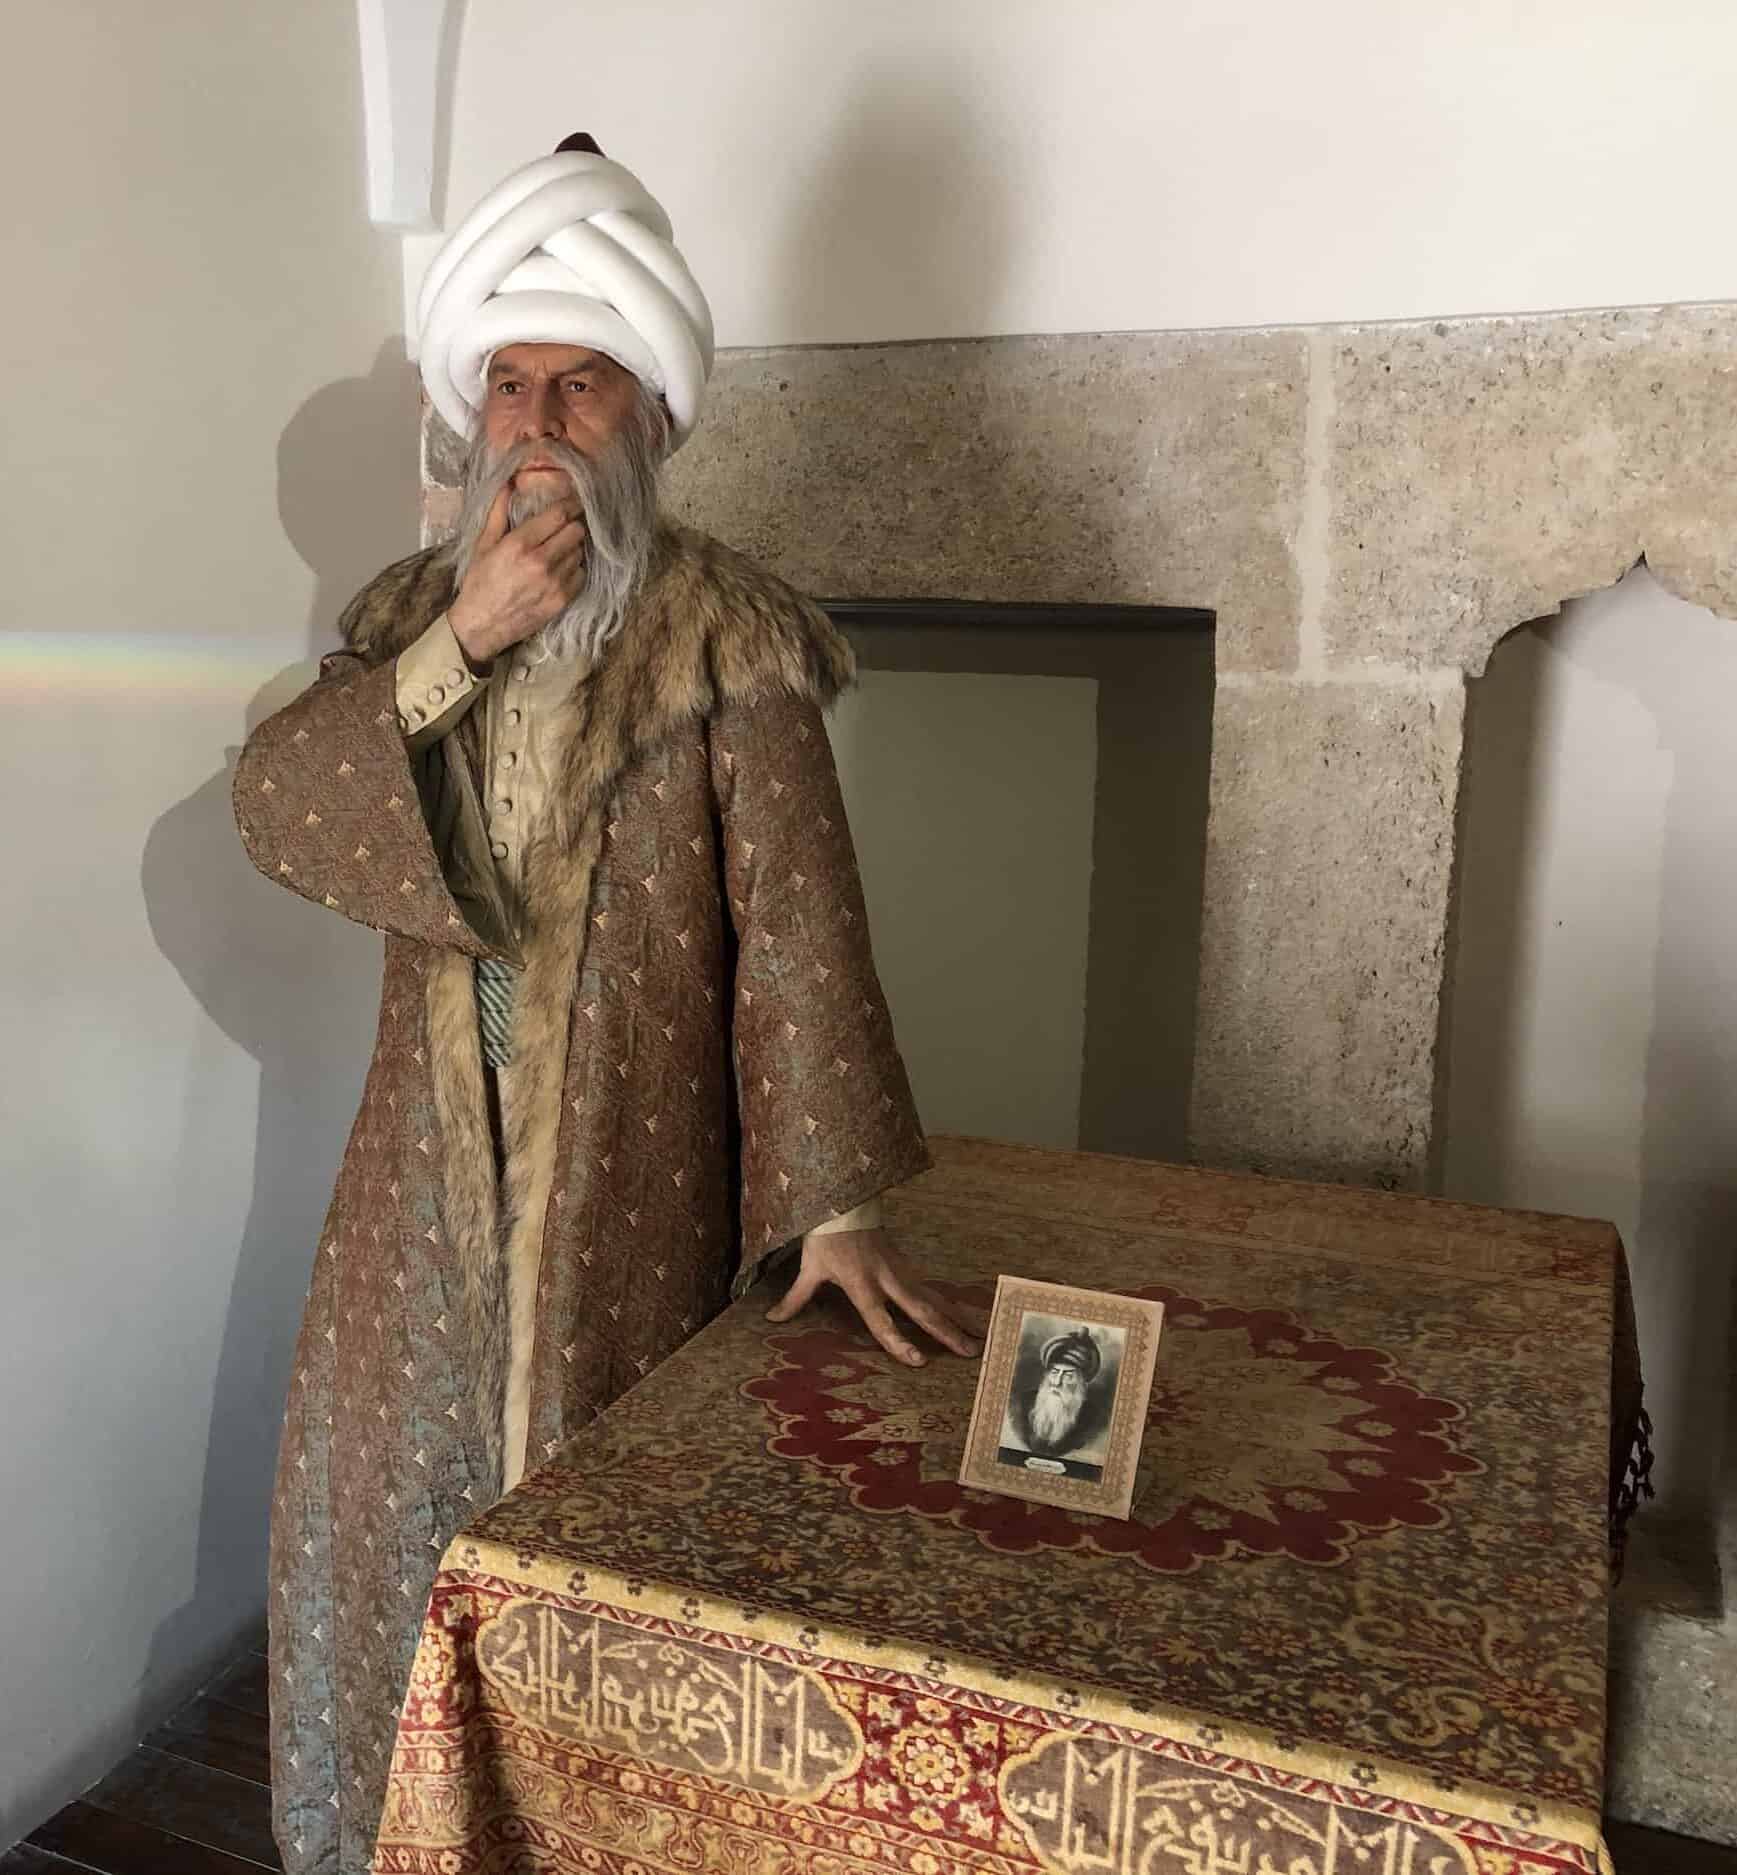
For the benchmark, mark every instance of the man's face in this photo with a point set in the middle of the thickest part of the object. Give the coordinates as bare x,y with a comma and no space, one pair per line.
1057,1403
559,392
1064,1381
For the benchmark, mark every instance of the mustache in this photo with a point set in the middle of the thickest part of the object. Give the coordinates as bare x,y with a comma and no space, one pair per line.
617,495
489,474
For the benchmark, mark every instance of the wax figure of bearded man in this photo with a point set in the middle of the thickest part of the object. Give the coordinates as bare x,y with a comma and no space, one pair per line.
631,1041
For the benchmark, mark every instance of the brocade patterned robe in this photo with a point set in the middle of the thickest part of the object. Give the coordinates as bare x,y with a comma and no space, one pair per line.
704,1069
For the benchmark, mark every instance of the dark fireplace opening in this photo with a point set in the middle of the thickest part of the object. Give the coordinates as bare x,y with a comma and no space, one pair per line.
1028,790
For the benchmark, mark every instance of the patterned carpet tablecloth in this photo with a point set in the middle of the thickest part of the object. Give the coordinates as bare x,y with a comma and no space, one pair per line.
748,1621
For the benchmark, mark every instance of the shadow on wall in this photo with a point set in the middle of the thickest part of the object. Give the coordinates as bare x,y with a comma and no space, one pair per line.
348,482
907,205
293,985
914,201
1593,1025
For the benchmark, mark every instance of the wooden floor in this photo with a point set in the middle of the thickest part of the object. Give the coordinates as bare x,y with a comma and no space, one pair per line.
195,1799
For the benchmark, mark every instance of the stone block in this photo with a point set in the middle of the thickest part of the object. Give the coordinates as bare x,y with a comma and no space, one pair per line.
1328,867
440,511
1672,1761
442,450
1154,468
1481,471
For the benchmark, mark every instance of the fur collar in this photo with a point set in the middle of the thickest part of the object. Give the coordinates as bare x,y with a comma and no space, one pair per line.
710,628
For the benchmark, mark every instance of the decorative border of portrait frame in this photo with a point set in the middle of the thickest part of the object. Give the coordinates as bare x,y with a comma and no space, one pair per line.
1140,1319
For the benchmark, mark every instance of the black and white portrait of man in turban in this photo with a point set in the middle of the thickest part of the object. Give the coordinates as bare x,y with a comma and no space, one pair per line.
1058,1409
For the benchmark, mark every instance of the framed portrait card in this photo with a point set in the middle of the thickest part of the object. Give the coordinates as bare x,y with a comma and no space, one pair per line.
1062,1396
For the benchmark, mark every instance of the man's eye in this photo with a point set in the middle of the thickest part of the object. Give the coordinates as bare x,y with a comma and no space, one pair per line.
506,387
578,384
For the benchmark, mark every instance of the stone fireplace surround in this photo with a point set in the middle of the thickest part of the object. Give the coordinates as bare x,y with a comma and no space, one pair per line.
1368,510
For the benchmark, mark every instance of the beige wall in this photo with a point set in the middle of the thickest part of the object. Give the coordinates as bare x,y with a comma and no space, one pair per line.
844,172
207,443
1593,1033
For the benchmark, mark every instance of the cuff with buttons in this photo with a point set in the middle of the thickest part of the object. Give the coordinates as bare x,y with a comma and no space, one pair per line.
433,677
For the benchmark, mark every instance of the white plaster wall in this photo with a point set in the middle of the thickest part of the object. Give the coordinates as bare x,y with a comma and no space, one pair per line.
911,170
206,445
977,865
1593,1033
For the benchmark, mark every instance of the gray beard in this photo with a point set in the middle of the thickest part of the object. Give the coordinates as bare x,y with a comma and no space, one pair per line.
618,496
1052,1417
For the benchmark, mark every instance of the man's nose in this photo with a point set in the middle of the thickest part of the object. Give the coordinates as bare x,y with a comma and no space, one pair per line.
537,414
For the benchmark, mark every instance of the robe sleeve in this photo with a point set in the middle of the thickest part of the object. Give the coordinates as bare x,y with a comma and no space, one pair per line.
327,803
827,1117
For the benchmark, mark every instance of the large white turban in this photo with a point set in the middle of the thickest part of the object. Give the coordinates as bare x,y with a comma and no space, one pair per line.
569,250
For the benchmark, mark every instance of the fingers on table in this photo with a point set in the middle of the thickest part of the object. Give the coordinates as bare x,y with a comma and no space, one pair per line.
878,1319
871,1298
930,1313
797,1296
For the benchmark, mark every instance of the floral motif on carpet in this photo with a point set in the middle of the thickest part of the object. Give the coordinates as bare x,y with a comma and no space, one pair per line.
1310,1444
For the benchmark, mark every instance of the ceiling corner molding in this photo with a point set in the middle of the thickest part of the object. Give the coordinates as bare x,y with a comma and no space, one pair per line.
404,46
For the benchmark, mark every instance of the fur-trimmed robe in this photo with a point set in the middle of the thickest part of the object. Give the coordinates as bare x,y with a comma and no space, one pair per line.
704,1069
